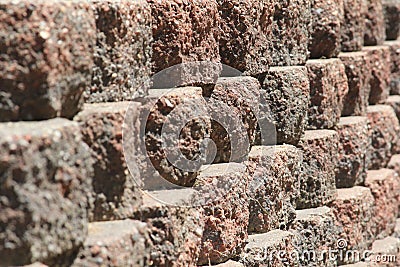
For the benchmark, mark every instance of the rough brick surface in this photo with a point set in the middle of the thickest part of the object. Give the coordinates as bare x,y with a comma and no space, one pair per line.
320,157
116,193
386,252
291,27
385,187
316,231
353,25
122,53
232,105
391,10
353,211
394,47
284,101
274,186
396,232
115,243
46,58
394,163
227,217
375,30
384,129
327,17
394,102
263,249
358,72
328,87
353,145
380,73
45,174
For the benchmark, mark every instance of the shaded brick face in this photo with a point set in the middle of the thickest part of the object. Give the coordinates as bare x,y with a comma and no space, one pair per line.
353,25
375,30
391,10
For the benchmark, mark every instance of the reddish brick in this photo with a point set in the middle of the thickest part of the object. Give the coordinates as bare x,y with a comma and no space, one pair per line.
380,73
285,98
328,87
227,216
394,163
385,187
116,243
327,17
320,157
353,211
116,193
358,74
375,30
394,102
122,54
353,144
45,184
274,186
391,10
45,58
353,25
394,47
384,129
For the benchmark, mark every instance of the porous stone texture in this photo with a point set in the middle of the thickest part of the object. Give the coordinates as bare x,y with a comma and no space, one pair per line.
394,102
226,217
384,129
284,102
115,190
46,58
172,130
291,28
122,55
354,142
391,9
328,87
353,211
175,230
270,249
232,106
394,47
274,186
115,243
394,163
385,187
380,73
353,25
246,27
316,232
375,30
358,72
327,17
185,31
45,184
396,232
320,157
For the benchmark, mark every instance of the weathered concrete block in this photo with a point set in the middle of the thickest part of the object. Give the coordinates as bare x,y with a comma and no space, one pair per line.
320,157
391,9
115,243
122,53
316,232
358,72
394,47
274,187
270,249
384,129
354,142
394,163
45,184
353,26
227,216
353,211
327,17
375,30
284,101
45,61
385,187
232,106
116,193
380,73
291,27
328,87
